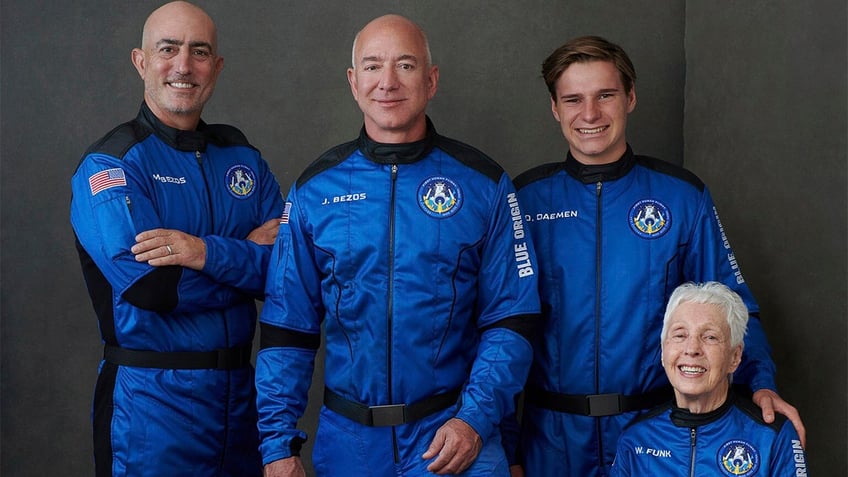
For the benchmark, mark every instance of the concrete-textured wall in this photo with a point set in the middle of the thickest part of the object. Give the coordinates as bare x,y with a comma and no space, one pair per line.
766,126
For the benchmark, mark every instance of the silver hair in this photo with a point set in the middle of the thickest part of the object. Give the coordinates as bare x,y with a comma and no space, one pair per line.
711,293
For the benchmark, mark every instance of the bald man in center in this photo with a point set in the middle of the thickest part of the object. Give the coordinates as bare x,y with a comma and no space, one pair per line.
410,250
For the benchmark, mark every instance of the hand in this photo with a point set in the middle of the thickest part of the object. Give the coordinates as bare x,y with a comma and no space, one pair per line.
516,471
456,444
161,247
289,467
266,233
770,402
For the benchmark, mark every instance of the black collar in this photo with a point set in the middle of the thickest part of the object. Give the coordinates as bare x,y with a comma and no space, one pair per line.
404,153
590,174
683,418
176,138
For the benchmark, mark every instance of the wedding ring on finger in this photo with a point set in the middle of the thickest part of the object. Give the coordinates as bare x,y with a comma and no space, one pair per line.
168,247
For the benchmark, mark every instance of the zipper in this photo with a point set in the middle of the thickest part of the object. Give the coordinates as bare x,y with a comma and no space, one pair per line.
389,311
598,235
693,438
199,156
224,445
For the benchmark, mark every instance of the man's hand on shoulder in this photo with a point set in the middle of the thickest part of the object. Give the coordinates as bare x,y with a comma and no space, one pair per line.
770,402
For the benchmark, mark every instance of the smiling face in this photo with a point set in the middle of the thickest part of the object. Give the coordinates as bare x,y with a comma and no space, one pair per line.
591,106
698,357
178,63
392,79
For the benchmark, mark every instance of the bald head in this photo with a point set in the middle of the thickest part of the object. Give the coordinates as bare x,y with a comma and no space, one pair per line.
392,79
178,62
178,16
395,23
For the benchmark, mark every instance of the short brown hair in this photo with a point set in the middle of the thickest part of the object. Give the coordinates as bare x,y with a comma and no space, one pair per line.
584,49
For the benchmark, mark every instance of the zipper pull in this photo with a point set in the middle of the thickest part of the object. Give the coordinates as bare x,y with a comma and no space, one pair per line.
199,157
129,203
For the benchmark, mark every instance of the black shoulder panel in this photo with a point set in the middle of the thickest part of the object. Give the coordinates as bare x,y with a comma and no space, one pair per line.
539,172
756,413
471,157
224,135
328,160
651,413
118,141
670,169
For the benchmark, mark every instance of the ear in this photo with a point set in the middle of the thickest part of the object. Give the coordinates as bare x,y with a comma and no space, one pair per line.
736,359
434,81
351,79
554,109
631,100
138,60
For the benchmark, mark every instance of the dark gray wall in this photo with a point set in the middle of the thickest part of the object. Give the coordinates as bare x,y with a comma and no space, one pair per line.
754,94
766,127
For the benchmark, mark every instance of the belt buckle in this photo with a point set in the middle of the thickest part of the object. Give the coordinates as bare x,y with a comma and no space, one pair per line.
388,415
604,404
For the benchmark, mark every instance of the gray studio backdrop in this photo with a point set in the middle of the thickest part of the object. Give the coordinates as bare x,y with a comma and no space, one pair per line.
750,95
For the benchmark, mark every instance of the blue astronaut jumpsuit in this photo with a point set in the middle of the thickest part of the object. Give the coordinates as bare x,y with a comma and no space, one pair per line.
731,441
415,259
613,241
175,393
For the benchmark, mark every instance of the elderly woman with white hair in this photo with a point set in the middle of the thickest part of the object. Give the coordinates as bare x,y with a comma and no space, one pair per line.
707,429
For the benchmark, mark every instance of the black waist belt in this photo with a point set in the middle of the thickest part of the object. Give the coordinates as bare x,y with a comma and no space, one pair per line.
390,414
230,358
597,405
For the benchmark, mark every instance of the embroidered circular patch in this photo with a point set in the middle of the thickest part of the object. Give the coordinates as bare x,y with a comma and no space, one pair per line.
241,181
738,457
439,197
649,218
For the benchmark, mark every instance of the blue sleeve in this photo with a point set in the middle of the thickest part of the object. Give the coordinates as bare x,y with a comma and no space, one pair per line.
240,263
290,335
106,223
510,433
622,465
508,307
789,458
711,258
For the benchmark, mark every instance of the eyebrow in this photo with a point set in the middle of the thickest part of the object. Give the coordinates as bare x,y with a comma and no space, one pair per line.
192,44
600,91
399,58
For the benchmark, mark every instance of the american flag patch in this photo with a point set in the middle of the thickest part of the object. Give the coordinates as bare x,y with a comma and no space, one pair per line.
106,180
284,219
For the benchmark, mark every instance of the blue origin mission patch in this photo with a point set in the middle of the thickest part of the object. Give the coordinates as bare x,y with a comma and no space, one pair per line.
439,197
649,219
738,457
241,181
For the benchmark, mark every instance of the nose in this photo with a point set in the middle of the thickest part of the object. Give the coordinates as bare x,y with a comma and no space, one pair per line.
692,346
590,111
388,79
182,62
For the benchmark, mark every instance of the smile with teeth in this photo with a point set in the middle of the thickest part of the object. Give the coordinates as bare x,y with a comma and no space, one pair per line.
182,85
692,369
593,130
